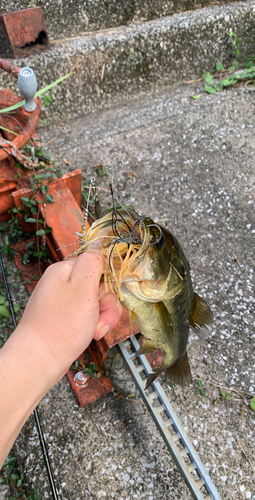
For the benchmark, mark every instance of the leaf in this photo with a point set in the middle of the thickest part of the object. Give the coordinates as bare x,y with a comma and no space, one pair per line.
227,82
44,189
30,220
37,94
196,96
4,312
15,307
200,383
209,79
218,87
223,393
210,90
30,244
40,232
202,393
34,210
216,402
7,130
49,198
25,258
252,403
2,299
4,480
219,66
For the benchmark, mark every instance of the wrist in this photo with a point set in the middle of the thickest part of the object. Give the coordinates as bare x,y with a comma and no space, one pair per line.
23,383
35,357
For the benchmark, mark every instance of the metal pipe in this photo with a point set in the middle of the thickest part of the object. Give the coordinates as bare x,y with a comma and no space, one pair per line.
35,412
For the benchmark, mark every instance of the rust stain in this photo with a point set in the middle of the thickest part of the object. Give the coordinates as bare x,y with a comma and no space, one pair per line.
26,31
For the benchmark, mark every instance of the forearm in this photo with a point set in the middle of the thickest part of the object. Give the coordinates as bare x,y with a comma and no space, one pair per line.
26,374
66,310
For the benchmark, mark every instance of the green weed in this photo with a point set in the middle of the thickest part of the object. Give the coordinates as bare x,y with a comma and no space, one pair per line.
200,385
17,480
236,72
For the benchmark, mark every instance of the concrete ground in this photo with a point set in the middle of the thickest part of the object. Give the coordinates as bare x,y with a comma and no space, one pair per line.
191,161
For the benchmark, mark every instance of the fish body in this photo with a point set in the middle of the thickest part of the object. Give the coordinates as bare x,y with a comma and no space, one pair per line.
152,278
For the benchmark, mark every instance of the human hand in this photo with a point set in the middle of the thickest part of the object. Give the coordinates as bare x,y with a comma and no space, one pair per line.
68,308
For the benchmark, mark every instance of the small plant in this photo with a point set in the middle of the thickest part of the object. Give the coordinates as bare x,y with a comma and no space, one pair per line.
101,171
226,395
252,403
47,100
168,382
236,43
38,180
200,385
235,73
16,480
90,369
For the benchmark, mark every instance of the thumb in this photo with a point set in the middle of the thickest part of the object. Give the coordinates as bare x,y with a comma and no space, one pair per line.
86,274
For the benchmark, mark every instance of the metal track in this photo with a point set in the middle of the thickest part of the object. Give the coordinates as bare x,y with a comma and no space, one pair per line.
176,439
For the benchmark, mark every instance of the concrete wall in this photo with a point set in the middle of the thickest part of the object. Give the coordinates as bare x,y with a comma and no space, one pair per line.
115,65
65,18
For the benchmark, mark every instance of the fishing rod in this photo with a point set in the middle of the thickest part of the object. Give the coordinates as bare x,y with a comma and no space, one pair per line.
35,412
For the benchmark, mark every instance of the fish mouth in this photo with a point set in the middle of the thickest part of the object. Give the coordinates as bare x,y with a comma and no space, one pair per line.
123,241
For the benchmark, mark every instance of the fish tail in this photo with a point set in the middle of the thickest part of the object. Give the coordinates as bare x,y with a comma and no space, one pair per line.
180,373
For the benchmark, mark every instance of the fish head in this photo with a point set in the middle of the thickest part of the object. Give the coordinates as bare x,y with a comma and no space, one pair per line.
139,253
157,271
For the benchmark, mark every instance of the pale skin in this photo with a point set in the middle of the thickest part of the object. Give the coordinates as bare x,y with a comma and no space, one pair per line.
68,308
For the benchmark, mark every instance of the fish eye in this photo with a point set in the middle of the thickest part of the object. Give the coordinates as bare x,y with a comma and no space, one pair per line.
160,243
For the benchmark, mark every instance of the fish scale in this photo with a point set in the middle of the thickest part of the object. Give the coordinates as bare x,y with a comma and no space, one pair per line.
176,439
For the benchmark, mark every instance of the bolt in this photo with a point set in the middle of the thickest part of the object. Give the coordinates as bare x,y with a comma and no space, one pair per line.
80,379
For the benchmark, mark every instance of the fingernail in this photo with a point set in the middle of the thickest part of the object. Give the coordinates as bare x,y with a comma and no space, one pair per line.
102,332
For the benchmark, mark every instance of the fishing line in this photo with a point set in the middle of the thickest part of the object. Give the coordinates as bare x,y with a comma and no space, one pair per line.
35,412
114,225
136,222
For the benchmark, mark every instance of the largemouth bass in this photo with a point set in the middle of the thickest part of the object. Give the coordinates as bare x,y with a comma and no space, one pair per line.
146,267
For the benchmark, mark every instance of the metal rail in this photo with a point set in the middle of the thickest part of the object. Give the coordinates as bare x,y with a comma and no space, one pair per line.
176,439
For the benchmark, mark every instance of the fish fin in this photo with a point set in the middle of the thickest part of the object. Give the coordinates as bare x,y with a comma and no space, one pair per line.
164,317
180,373
152,377
132,317
201,318
146,348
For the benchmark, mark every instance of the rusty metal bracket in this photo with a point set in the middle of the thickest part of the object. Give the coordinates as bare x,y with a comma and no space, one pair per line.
25,31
